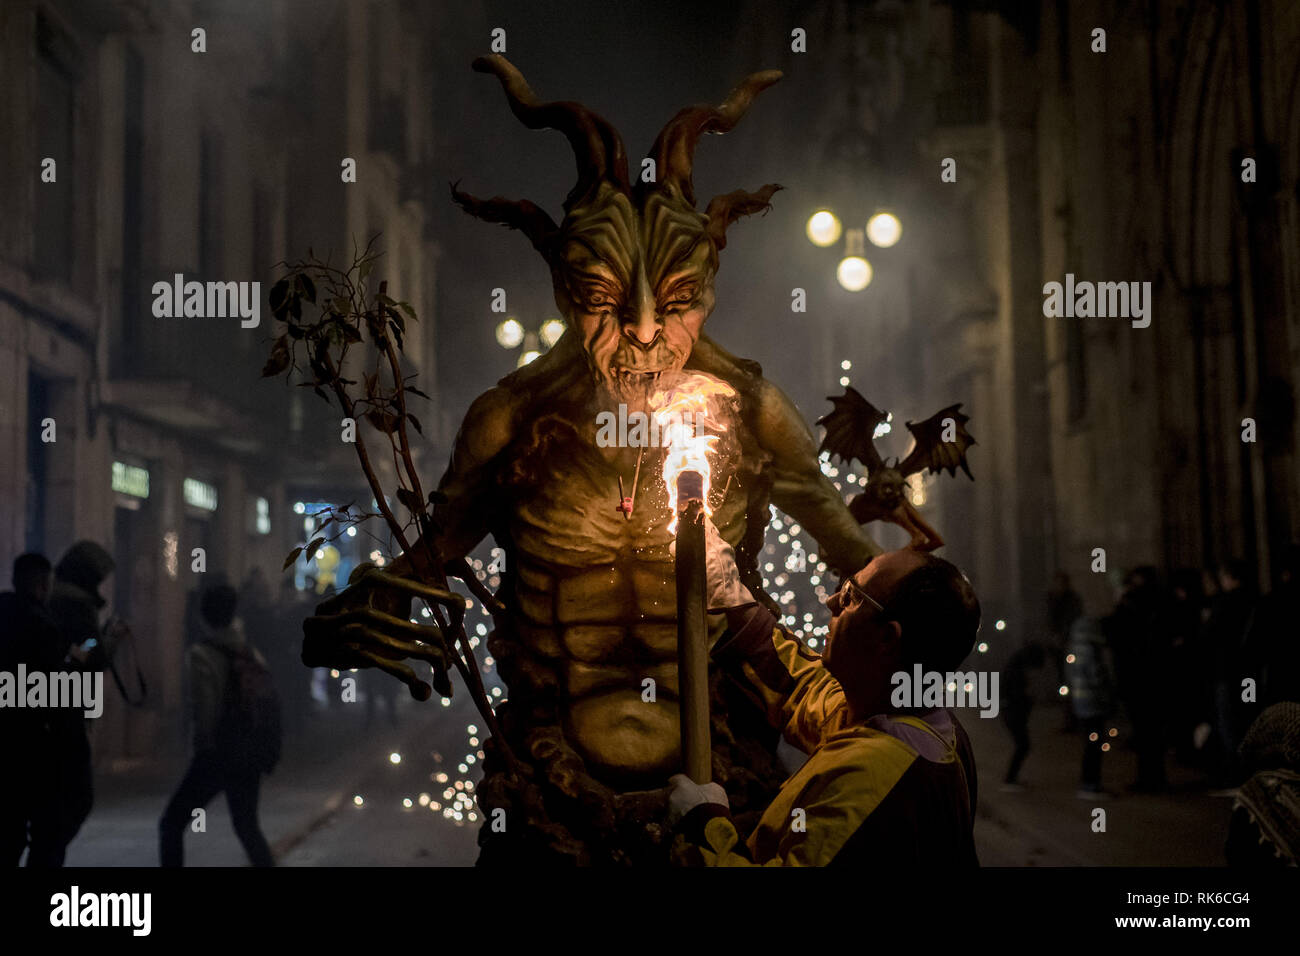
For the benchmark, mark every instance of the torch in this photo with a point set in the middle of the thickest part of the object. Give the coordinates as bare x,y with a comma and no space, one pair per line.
692,629
680,410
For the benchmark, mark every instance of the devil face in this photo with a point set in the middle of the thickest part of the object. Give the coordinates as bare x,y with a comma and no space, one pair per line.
632,266
889,488
637,286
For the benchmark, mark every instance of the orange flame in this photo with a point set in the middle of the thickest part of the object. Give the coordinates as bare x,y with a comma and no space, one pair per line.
680,412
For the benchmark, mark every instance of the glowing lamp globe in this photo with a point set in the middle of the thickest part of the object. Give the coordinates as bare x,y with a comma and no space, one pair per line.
854,273
823,228
884,229
552,329
510,333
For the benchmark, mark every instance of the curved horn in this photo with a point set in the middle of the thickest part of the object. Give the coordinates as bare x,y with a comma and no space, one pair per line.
726,209
533,222
596,145
674,150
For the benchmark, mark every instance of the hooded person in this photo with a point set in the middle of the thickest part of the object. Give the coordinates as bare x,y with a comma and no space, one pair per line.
75,605
75,601
224,670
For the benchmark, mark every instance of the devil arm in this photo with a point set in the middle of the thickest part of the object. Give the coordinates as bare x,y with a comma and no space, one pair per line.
801,490
469,485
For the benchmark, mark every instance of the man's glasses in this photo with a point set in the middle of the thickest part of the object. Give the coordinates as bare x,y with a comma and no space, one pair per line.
857,595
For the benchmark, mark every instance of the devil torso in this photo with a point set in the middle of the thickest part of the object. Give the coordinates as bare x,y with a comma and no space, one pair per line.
593,590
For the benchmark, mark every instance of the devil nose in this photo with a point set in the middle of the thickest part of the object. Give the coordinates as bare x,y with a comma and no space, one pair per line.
642,326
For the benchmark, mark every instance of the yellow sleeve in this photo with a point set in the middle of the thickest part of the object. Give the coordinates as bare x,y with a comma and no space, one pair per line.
789,682
816,813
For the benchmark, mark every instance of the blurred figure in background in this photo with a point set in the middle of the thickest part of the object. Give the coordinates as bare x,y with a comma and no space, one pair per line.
1276,642
1091,695
236,731
1017,703
29,798
75,605
1192,693
1064,607
1231,618
1138,635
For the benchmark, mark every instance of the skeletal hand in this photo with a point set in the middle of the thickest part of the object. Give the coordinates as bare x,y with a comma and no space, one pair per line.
368,625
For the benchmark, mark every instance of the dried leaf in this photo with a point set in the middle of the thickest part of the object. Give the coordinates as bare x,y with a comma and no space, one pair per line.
382,421
407,497
293,556
279,359
279,298
314,547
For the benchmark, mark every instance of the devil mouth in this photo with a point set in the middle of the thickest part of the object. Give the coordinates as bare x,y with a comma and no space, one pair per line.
636,378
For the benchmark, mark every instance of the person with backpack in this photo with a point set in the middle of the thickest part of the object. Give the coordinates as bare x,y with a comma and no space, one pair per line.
236,730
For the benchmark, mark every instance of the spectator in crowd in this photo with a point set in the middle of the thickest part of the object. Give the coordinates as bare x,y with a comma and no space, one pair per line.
232,750
1017,703
1091,692
1231,617
1137,632
29,798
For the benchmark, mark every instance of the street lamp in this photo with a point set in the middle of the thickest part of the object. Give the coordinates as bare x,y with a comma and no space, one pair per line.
854,271
884,229
510,333
823,228
551,331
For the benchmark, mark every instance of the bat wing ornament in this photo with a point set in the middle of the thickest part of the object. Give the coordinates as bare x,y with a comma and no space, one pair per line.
939,443
851,428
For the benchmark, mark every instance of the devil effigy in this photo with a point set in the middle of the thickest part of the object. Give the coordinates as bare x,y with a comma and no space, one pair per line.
586,615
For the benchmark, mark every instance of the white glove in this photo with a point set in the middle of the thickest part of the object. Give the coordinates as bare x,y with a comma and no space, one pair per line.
687,795
722,577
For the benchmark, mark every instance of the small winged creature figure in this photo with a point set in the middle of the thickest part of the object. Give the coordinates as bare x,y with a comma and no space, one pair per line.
850,433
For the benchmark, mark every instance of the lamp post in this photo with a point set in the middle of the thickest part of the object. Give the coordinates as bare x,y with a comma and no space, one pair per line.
511,334
854,272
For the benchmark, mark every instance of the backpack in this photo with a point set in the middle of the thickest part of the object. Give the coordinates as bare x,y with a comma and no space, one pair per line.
249,733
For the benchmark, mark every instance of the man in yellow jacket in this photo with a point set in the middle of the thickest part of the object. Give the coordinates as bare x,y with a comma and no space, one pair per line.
884,785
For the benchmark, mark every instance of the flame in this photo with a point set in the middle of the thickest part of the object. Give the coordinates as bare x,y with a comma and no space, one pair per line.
680,412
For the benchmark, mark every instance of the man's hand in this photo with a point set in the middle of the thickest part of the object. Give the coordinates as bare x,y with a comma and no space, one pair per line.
722,577
687,795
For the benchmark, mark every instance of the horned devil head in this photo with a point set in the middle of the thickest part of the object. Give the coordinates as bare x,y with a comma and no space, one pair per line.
632,265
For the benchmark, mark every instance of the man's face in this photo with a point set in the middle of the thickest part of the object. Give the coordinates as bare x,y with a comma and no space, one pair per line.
37,588
637,287
861,643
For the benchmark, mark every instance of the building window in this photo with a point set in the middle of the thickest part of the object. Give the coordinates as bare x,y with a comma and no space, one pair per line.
210,205
56,102
133,314
130,480
1076,369
200,494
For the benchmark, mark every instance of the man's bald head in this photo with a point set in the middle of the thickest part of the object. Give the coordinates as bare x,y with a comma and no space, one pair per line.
928,615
